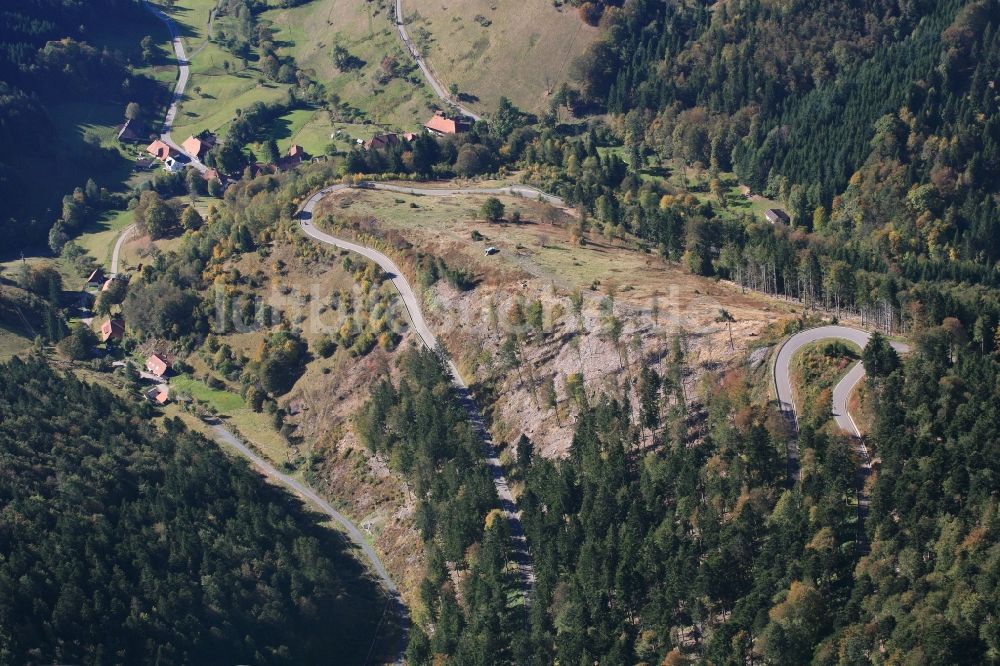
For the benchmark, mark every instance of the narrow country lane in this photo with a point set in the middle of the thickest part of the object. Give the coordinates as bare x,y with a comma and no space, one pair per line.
434,83
182,79
841,396
222,433
412,305
116,252
225,436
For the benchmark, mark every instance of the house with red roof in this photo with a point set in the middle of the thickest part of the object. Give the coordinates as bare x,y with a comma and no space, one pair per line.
160,150
382,141
197,146
443,125
112,329
157,365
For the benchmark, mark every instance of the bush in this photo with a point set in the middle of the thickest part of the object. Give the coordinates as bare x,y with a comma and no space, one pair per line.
79,344
492,210
325,346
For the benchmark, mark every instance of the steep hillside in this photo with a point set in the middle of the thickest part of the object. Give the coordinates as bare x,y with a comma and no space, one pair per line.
68,71
114,532
875,123
495,48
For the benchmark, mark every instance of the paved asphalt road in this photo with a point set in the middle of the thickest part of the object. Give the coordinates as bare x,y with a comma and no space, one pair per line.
228,438
118,247
182,79
435,84
412,304
841,392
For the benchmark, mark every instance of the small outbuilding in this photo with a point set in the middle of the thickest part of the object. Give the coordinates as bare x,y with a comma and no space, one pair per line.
775,215
158,394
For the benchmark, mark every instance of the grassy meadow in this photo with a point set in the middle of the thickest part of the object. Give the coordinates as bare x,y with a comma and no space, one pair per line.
493,48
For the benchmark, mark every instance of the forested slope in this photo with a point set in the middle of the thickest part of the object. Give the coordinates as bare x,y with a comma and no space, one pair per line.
122,543
696,550
881,113
66,65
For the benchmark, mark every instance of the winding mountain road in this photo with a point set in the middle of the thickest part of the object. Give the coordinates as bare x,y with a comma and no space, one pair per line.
422,64
184,73
412,305
227,437
841,396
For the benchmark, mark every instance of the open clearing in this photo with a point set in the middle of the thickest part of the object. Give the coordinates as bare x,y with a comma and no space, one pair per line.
309,33
538,260
222,84
541,247
493,48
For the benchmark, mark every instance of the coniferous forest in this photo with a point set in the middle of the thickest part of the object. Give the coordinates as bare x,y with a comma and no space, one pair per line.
125,543
672,530
702,550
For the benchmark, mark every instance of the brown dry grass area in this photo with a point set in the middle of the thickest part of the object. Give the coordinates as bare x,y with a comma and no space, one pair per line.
330,393
527,46
537,260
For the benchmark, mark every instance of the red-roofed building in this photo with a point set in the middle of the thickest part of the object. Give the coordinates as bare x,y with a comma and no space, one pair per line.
296,155
112,329
197,146
158,394
443,125
157,365
160,150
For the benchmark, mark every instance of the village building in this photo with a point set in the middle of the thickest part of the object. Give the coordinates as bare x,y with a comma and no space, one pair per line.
443,125
296,155
172,164
157,365
112,329
214,174
133,131
775,215
160,150
158,394
96,278
198,146
382,142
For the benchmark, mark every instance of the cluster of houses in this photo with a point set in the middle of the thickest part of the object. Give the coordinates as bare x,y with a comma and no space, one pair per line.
198,146
439,125
133,131
113,331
